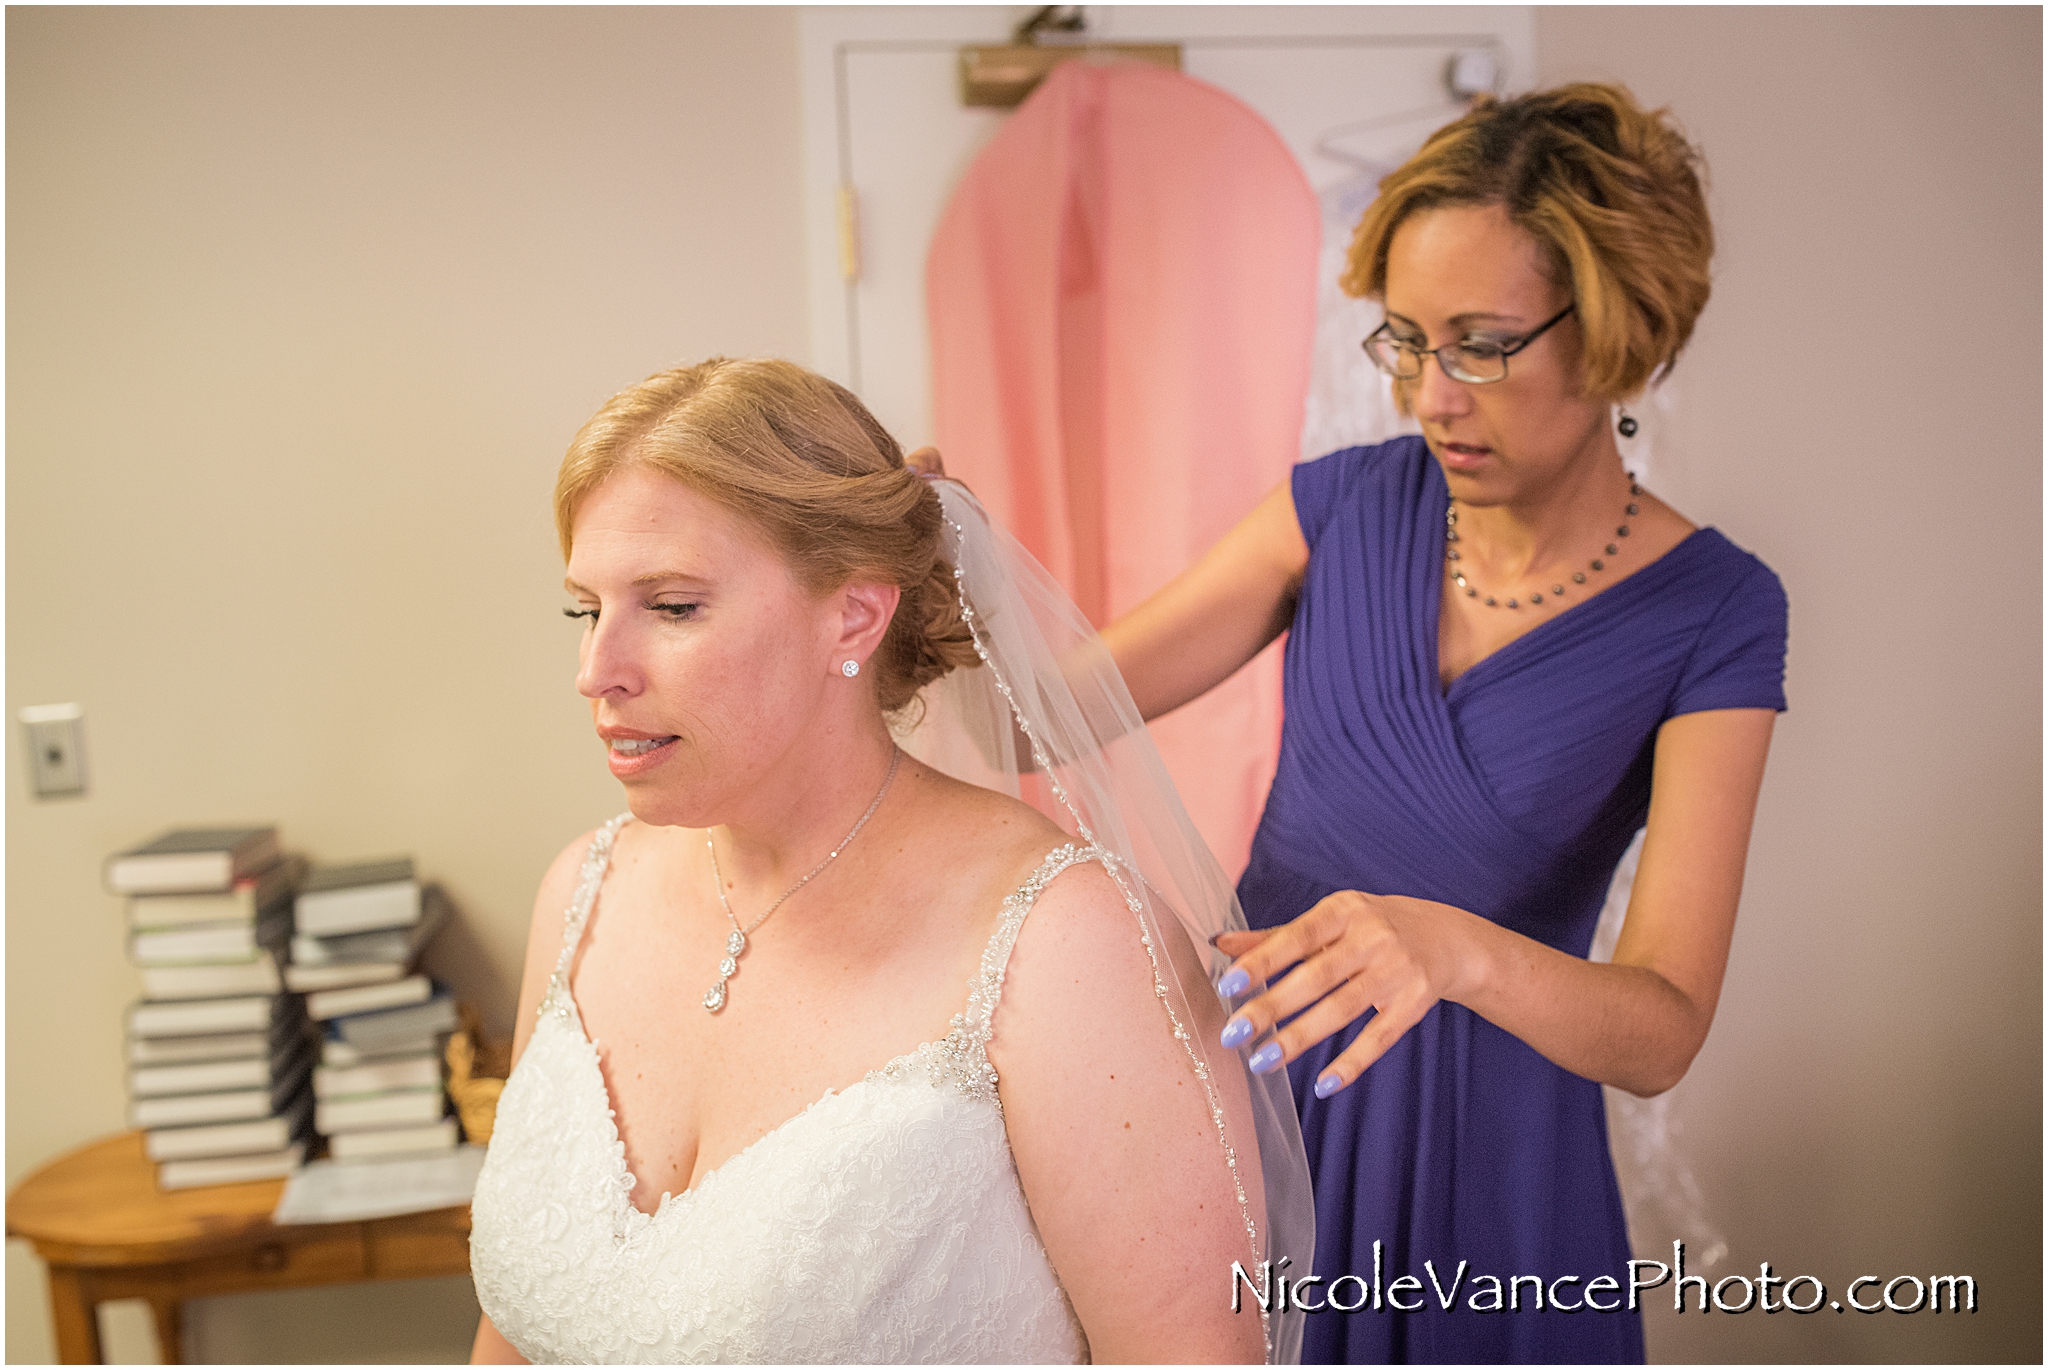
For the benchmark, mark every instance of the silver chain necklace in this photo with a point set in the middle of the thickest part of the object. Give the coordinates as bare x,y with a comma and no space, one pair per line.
736,943
1451,555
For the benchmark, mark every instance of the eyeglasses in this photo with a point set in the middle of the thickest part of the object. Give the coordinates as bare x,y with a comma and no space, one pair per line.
1476,361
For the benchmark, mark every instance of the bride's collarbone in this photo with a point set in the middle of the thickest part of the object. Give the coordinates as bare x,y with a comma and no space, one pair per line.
837,990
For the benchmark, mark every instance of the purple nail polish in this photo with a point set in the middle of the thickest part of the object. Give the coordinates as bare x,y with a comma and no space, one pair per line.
1266,1059
1327,1084
1234,983
1236,1032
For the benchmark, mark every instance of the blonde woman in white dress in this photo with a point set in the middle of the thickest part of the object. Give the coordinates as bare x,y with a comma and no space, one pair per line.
823,1054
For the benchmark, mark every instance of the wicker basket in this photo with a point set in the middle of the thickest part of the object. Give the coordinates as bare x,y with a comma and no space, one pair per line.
477,1068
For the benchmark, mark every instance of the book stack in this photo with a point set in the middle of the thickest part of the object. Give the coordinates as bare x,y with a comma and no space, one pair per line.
218,1053
378,1085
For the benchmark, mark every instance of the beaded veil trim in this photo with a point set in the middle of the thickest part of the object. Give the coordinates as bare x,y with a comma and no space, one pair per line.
1122,878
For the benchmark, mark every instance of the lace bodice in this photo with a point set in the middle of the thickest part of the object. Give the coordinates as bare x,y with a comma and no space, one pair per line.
884,1223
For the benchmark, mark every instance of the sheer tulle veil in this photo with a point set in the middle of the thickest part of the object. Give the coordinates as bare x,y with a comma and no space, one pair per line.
1048,719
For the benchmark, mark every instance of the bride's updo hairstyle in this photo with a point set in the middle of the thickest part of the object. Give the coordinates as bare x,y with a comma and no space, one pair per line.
1609,191
803,461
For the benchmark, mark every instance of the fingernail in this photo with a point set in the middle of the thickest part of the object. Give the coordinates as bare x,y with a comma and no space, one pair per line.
1237,1032
1266,1059
1328,1083
1234,983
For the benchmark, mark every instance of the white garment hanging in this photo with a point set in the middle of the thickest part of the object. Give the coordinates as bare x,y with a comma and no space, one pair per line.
1350,402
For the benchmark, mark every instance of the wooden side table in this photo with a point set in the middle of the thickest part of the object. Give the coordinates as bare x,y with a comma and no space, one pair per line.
106,1231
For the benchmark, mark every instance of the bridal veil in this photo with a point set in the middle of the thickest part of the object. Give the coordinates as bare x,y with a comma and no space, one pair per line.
1048,719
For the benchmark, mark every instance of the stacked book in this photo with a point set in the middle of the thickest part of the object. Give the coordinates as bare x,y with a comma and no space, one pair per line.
378,1085
218,1053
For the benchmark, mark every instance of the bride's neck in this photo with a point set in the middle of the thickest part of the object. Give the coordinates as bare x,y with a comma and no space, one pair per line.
794,819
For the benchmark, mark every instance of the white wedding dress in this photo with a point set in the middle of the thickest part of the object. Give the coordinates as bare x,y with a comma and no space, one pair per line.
884,1223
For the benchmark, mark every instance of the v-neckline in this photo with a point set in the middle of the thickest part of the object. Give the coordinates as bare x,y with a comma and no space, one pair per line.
1434,645
1062,856
675,1198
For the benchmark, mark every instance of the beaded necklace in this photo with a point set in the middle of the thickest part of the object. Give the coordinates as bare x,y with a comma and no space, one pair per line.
1557,591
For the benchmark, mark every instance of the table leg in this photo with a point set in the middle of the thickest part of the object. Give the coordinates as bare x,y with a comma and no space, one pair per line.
170,1328
76,1316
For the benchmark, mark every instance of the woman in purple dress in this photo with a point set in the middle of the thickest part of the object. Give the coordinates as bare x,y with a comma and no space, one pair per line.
1504,657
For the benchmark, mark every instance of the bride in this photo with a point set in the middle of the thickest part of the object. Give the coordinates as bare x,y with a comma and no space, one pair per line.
822,1052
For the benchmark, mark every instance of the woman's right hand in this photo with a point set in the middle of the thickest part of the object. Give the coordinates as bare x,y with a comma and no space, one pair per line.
1351,954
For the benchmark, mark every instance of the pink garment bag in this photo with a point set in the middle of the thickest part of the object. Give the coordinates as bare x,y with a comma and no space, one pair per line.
1122,303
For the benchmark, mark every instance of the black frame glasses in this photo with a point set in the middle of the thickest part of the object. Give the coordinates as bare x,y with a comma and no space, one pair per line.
1390,354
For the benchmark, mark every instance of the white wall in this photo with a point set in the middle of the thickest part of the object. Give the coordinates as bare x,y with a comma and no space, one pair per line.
303,307
1862,408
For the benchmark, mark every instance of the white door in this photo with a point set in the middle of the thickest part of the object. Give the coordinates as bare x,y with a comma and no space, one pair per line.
1344,87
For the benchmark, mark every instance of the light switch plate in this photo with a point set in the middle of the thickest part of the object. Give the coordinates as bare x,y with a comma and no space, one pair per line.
56,749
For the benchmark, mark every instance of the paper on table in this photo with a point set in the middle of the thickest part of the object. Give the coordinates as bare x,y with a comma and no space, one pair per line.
350,1191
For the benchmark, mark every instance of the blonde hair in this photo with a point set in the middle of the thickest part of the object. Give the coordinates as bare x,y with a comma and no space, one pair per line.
804,462
1610,192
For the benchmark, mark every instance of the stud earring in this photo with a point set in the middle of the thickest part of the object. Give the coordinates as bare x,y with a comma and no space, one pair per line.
1627,426
849,669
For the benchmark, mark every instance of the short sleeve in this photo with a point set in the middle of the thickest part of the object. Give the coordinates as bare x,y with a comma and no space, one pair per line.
1318,487
1321,487
1739,660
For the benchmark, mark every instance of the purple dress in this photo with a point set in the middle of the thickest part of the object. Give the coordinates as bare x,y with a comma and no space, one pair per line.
1512,795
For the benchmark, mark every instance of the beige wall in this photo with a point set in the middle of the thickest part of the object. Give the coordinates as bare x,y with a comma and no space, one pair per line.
303,307
1862,408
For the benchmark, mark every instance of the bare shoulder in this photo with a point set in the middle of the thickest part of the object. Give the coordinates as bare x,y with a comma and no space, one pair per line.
1003,843
1112,1130
1081,912
1079,970
1080,957
990,842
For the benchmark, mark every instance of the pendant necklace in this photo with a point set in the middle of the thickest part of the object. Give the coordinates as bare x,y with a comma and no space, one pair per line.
736,942
1451,554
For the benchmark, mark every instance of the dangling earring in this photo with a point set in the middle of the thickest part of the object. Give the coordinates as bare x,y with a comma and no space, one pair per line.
1627,426
849,669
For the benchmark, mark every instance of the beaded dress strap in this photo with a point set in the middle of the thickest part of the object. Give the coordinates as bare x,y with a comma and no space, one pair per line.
979,1017
595,861
960,1058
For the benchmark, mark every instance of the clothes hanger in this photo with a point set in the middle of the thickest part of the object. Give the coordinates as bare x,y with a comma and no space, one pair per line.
1469,73
1000,77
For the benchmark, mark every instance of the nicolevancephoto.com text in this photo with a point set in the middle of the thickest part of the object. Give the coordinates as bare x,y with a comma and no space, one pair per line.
1456,1287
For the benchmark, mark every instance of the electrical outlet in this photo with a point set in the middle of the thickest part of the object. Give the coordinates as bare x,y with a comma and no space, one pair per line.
56,749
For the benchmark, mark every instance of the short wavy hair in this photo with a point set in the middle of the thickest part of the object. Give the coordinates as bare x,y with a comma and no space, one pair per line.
1611,193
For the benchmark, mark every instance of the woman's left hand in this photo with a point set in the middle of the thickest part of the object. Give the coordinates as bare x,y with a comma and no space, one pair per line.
1357,952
